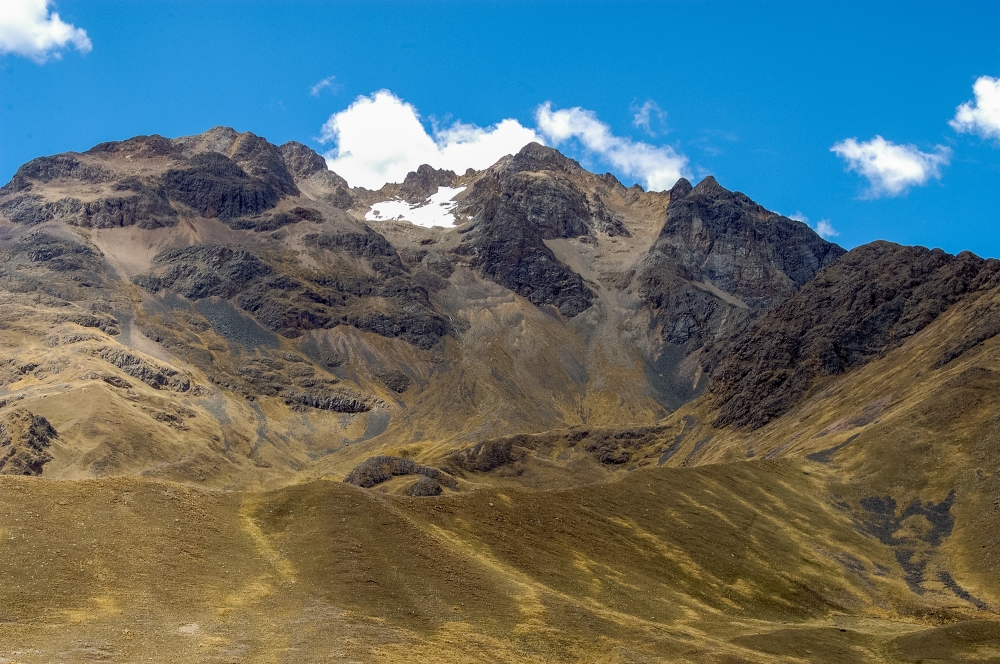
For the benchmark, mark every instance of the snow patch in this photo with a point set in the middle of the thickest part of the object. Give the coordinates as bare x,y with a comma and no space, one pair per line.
438,210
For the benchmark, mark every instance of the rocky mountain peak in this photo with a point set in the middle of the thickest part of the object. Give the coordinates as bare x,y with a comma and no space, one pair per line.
680,189
538,157
425,181
301,160
709,186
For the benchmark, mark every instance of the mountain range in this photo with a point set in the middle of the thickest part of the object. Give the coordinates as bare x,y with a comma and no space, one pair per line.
245,416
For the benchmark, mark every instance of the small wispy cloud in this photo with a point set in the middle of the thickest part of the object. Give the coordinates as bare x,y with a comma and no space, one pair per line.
330,83
380,138
645,114
823,227
982,115
658,166
891,169
28,28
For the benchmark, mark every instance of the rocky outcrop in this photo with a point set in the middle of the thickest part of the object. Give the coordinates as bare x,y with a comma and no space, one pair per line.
344,401
66,166
378,469
869,301
301,160
147,208
720,258
424,487
156,376
718,262
310,168
24,442
214,185
489,455
389,303
420,184
139,147
205,270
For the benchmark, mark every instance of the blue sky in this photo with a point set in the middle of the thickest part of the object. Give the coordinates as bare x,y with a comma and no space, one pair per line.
755,94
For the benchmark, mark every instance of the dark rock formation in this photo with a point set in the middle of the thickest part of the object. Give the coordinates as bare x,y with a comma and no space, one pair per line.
158,377
422,183
66,166
378,469
61,268
143,147
869,301
260,159
204,271
424,486
343,402
397,381
718,262
716,243
215,186
288,305
24,439
491,454
514,213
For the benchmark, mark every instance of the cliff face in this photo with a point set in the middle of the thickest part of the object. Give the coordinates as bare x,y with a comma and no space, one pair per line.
718,262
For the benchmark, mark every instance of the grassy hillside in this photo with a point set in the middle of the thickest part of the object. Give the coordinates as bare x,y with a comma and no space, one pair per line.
735,563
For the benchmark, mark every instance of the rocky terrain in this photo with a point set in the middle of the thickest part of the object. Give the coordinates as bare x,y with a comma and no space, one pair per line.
585,422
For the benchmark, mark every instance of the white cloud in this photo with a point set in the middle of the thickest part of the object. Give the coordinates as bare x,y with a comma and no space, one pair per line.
891,169
659,167
328,82
823,227
380,139
644,115
27,28
981,116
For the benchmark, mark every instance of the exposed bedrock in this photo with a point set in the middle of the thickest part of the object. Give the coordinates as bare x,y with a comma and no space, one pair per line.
215,186
378,469
391,303
869,301
515,211
24,442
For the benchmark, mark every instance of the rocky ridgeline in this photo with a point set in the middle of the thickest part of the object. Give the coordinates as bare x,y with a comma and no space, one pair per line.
868,302
720,261
237,178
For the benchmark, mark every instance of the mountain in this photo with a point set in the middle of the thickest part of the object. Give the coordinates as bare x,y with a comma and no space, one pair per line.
573,420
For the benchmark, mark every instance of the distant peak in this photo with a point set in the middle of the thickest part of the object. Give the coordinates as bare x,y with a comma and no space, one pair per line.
680,189
426,179
709,186
538,157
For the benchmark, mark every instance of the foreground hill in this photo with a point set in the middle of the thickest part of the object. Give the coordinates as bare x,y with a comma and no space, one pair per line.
264,420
